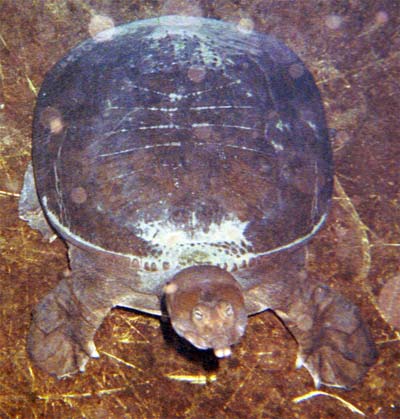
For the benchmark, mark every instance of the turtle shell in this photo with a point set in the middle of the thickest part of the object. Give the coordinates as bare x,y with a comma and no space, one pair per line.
178,141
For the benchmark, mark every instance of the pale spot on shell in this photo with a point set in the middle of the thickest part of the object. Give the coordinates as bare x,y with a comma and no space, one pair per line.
296,70
381,17
203,133
196,73
272,115
333,21
79,195
56,125
51,118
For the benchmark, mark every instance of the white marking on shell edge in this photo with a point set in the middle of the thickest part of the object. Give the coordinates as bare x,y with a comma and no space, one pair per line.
181,248
166,234
145,147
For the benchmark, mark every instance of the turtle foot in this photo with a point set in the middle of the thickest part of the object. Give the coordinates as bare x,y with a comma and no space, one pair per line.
60,339
335,345
341,361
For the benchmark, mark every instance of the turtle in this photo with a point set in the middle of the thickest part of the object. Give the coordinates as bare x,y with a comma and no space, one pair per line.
186,163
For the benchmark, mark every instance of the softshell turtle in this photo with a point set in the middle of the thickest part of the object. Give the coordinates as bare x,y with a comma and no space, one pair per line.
186,162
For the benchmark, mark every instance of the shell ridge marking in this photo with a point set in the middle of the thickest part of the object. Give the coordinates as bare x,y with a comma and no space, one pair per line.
128,115
211,107
127,174
163,126
175,144
209,252
147,108
146,89
174,96
145,147
223,86
240,147
207,124
176,109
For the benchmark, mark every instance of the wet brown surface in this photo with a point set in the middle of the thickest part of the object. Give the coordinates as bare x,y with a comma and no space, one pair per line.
353,50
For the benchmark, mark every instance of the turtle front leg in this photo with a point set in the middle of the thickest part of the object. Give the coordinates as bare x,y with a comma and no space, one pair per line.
29,208
63,326
61,337
335,345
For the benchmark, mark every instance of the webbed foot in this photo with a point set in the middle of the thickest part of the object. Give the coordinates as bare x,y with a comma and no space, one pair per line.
335,345
60,339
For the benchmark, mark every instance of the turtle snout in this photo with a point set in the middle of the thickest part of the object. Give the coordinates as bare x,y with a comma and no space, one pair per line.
217,327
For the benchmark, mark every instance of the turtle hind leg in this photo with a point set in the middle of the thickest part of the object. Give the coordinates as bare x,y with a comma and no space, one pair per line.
335,345
29,208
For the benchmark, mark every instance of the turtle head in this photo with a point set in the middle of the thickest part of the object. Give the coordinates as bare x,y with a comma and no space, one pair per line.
206,307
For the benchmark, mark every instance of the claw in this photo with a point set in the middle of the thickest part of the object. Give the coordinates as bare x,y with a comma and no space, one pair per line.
223,352
92,350
315,376
299,361
82,366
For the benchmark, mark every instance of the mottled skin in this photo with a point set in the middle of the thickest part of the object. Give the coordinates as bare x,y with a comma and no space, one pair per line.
180,158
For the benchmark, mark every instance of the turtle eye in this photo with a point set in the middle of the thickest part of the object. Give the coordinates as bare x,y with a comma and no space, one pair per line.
197,314
228,310
225,309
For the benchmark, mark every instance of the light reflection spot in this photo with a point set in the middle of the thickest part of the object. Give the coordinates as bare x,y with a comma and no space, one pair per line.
98,24
78,195
333,21
196,73
51,118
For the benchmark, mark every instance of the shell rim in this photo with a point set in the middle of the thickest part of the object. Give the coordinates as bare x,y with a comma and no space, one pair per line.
75,239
